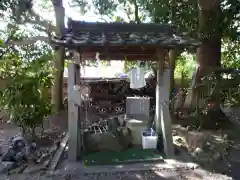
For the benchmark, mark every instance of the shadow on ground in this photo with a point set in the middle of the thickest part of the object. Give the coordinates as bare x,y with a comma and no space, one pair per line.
228,162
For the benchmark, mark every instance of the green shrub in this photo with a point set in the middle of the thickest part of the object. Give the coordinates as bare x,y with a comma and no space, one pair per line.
25,97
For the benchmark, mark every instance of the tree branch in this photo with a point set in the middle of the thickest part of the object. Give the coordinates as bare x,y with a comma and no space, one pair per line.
128,14
136,12
41,22
31,40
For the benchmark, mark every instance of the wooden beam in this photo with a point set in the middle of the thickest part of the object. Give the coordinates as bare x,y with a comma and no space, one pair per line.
55,160
120,50
162,116
117,53
159,64
116,56
78,107
72,123
119,56
74,111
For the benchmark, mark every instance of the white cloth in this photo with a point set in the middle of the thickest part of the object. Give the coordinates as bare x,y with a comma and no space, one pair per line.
137,79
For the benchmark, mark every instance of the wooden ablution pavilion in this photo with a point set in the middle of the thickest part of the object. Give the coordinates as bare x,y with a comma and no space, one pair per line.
120,41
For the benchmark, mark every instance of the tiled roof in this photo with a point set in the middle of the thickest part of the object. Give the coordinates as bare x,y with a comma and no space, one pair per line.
84,34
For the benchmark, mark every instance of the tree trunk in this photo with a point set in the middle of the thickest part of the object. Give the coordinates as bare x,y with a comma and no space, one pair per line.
209,52
59,55
173,53
57,87
172,60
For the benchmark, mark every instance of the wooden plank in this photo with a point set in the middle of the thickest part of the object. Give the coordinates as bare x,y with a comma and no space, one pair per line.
73,120
58,154
166,123
79,135
163,119
159,64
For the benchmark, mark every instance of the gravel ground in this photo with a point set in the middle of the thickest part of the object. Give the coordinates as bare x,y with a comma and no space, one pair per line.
161,174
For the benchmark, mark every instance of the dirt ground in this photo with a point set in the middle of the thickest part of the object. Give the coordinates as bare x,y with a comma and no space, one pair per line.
223,157
59,123
53,127
163,171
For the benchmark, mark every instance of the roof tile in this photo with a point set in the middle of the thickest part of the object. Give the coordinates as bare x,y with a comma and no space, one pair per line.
81,33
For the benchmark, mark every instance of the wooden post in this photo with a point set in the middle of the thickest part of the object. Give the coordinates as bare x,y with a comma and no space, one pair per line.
78,101
74,102
159,65
163,119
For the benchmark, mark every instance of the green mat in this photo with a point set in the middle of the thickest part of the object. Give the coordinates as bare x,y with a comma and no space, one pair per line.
130,155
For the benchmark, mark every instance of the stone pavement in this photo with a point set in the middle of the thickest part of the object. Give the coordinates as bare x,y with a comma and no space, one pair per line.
170,170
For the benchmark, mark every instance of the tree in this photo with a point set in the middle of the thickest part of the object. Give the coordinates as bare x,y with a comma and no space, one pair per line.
231,54
184,15
185,65
27,76
216,20
57,88
210,34
21,12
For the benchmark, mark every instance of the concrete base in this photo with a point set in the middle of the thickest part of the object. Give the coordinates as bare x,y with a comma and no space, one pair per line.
137,127
165,170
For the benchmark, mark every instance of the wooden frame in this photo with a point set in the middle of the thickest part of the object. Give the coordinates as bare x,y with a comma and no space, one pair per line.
120,41
162,116
74,102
